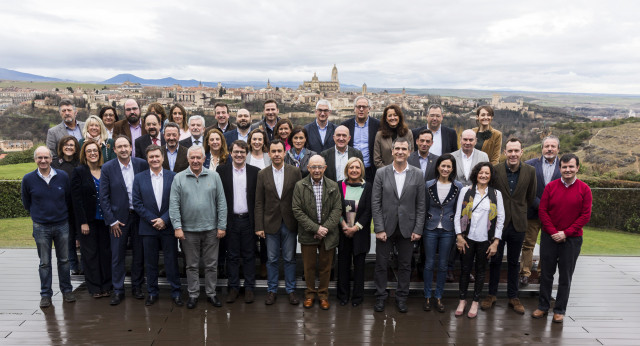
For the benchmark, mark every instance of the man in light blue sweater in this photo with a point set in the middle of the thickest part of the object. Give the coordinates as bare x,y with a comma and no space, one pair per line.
198,212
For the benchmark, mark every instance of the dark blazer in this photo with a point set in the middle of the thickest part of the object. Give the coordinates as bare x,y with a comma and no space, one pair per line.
145,205
114,199
181,161
374,126
390,210
441,212
55,134
330,158
270,209
362,238
121,127
226,176
143,142
83,196
532,212
230,127
230,137
516,204
107,148
314,142
414,160
449,138
187,143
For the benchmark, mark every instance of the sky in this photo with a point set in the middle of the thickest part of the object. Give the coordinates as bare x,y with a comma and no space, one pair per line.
556,46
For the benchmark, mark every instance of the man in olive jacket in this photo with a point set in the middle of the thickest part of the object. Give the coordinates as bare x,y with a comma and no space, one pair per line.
317,206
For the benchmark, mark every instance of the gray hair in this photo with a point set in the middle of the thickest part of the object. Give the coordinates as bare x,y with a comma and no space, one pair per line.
324,102
434,106
552,137
40,148
194,148
196,117
173,125
361,98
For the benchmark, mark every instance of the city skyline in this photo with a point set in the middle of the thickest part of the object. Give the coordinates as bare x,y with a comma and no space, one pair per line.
555,47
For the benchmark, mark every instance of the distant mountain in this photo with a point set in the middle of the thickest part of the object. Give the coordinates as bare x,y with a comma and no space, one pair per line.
20,76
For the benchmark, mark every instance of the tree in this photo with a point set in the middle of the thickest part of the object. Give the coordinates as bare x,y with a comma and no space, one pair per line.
70,89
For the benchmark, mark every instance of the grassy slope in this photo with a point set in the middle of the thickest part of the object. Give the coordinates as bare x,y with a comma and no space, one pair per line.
16,171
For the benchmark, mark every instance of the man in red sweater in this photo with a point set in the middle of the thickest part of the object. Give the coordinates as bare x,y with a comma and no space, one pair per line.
565,208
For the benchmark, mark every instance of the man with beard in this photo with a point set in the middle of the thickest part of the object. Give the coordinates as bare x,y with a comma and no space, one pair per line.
270,120
175,155
130,126
241,132
196,127
68,126
444,138
152,125
222,119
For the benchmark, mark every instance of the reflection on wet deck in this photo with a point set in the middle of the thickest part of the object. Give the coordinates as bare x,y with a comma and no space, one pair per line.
603,309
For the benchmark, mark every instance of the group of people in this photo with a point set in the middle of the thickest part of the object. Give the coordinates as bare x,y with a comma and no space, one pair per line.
145,181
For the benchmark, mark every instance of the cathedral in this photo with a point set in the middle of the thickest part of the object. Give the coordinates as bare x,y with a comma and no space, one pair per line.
315,85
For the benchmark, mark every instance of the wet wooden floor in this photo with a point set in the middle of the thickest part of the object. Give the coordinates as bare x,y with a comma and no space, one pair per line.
603,310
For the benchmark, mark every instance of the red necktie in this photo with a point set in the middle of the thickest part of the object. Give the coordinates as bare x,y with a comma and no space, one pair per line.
155,141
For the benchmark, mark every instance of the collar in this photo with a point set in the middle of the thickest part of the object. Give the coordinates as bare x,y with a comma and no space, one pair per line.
544,161
569,184
223,129
172,152
239,171
202,172
281,170
123,166
366,123
464,156
52,173
346,150
421,157
320,127
509,169
314,183
404,170
193,139
156,175
68,128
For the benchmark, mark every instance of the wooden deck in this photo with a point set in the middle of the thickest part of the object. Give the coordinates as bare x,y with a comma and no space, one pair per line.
603,310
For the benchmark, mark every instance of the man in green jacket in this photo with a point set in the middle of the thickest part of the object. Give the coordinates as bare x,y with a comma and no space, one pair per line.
317,206
198,213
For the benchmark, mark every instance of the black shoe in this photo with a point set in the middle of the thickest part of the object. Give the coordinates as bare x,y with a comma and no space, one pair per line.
150,300
472,278
215,301
379,307
137,293
402,306
355,304
178,301
232,296
116,298
248,296
69,297
45,302
271,298
439,305
450,277
192,302
344,302
427,304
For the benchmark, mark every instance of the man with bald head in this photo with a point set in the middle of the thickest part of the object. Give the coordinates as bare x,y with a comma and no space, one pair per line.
131,125
241,130
467,156
317,206
336,157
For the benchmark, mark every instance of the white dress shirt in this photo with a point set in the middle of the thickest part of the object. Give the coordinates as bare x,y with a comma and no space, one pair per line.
240,190
341,162
48,178
128,175
466,163
278,179
400,178
157,182
480,217
436,147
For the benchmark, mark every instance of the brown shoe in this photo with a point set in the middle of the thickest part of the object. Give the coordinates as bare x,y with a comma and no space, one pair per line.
248,296
515,304
558,318
232,296
271,298
537,313
293,299
488,302
324,304
308,303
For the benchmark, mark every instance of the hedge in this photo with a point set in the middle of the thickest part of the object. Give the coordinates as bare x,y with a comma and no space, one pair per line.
10,202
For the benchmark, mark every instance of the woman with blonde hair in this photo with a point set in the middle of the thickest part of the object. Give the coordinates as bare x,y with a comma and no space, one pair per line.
94,129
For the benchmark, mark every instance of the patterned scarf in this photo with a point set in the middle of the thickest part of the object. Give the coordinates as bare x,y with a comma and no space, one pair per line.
468,208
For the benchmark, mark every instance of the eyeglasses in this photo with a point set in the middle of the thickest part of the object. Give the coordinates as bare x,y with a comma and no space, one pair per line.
323,110
71,145
43,158
315,168
92,151
131,109
362,107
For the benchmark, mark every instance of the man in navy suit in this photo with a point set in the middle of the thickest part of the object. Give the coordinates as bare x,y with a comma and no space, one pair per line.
243,127
445,140
547,169
363,129
116,187
151,189
422,158
321,131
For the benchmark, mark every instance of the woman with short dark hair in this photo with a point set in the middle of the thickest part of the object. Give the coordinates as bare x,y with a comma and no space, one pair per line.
299,154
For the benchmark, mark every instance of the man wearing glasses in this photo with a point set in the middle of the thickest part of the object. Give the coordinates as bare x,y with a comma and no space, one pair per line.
321,131
130,126
363,129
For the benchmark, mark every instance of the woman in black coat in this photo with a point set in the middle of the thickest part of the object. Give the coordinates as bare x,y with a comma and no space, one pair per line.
94,235
355,237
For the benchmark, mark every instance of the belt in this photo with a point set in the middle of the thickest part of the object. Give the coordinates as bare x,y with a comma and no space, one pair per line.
241,216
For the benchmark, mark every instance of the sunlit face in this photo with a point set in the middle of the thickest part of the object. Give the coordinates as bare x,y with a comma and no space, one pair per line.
484,176
550,149
171,135
69,148
434,119
257,141
284,130
155,159
276,153
93,129
362,110
152,125
196,159
215,142
108,118
513,152
445,168
196,127
68,114
401,152
316,168
238,155
392,118
43,159
354,171
341,137
271,112
92,153
569,170
123,149
299,140
484,119
177,116
222,116
424,143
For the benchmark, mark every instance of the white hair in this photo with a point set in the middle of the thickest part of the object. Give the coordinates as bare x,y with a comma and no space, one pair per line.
355,102
194,148
324,102
196,117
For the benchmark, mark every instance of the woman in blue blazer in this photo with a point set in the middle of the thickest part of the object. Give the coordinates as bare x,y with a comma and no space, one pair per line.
439,234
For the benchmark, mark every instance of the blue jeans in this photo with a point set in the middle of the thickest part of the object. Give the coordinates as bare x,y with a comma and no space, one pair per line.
58,234
441,240
283,241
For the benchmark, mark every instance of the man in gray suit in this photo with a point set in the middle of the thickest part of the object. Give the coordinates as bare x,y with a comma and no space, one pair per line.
467,157
68,126
400,188
422,158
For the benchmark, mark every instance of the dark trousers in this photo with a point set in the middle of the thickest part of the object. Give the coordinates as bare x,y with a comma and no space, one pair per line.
166,241
240,245
563,256
477,251
370,172
95,248
74,262
119,251
405,252
345,258
514,241
262,250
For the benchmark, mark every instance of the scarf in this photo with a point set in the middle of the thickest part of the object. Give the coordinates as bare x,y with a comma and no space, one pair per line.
468,208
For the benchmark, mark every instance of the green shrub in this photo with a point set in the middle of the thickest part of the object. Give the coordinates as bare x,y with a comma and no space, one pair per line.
10,202
18,157
615,204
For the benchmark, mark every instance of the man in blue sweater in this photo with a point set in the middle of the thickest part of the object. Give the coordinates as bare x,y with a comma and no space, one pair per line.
42,191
